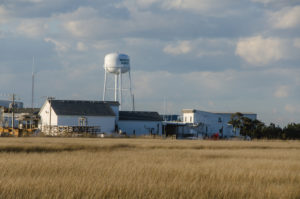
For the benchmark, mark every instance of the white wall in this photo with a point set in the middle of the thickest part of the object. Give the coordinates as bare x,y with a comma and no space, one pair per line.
106,123
45,115
140,127
188,117
213,122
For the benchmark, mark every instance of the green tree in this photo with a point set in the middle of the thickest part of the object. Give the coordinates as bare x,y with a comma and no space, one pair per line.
272,132
236,121
258,128
292,131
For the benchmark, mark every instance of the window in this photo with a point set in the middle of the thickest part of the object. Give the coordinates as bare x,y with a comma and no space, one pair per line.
82,121
191,119
220,120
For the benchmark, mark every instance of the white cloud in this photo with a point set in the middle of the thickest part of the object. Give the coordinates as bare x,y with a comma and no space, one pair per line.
81,46
266,1
263,1
285,18
76,28
297,42
292,108
191,5
282,92
200,47
146,3
32,1
260,51
197,5
203,53
3,14
95,27
32,28
59,46
182,47
203,7
82,22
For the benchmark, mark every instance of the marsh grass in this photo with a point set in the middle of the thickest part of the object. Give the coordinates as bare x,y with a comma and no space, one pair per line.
145,168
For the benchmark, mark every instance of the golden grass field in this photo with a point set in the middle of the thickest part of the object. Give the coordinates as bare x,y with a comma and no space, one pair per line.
148,168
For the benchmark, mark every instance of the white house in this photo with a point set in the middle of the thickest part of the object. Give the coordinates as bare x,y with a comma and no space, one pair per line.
140,123
213,122
55,113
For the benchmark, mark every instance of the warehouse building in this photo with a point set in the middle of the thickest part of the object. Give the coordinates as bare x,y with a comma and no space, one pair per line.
210,123
58,117
91,116
140,123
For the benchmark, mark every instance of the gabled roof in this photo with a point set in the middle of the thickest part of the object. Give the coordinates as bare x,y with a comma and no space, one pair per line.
34,111
113,103
139,115
82,108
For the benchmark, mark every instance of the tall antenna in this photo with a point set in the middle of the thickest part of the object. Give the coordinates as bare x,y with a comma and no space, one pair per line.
32,84
133,105
165,108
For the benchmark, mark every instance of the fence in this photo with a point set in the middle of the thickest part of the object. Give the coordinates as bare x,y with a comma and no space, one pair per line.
70,130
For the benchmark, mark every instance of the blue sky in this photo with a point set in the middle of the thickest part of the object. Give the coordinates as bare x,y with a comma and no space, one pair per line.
211,55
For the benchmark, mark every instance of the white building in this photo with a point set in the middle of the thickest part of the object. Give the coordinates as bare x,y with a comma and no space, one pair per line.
140,123
210,123
79,113
22,116
8,104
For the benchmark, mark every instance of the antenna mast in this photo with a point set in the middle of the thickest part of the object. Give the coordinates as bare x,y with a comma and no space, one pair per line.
32,84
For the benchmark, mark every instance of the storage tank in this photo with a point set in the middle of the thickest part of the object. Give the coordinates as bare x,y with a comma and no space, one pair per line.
116,63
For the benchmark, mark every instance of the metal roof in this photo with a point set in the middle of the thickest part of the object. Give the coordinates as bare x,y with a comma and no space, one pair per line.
194,111
83,108
27,110
139,115
188,110
113,103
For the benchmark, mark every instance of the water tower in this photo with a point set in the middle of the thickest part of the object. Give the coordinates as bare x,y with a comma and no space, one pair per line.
117,64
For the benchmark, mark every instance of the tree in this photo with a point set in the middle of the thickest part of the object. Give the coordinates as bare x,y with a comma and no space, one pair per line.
236,121
272,132
292,131
258,128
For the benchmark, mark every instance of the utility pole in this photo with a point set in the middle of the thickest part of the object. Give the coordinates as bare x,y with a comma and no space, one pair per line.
12,112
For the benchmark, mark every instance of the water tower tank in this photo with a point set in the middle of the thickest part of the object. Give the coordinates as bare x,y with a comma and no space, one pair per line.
116,63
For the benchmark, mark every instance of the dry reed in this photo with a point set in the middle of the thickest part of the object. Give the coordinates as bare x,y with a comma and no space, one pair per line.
145,168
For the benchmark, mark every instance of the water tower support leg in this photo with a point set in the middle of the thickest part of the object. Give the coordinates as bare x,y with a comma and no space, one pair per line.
116,86
120,91
130,90
104,90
